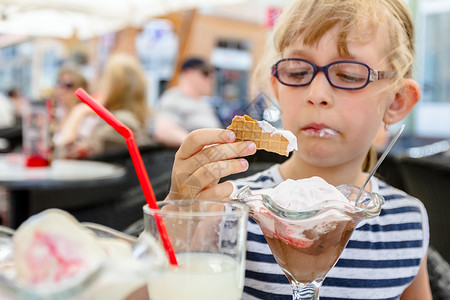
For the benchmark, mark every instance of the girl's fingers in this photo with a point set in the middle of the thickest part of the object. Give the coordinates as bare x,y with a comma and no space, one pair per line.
205,156
211,173
189,186
218,192
217,153
224,152
198,139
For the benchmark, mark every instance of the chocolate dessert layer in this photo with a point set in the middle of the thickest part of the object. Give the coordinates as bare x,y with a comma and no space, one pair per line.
310,259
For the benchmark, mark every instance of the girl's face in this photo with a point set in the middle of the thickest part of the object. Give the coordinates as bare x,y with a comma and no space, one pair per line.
334,126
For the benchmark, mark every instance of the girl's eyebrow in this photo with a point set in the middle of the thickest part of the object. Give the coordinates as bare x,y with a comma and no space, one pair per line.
300,53
305,54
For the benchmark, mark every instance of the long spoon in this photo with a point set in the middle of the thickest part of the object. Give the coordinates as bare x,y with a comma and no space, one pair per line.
380,160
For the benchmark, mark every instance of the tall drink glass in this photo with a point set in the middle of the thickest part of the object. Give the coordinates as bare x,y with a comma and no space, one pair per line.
209,239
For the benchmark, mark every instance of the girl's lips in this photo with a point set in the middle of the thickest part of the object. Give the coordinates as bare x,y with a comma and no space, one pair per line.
318,130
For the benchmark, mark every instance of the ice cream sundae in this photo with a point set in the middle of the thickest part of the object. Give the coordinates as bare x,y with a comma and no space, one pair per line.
307,224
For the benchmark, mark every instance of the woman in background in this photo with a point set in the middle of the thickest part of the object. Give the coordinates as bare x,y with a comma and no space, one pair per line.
69,79
123,92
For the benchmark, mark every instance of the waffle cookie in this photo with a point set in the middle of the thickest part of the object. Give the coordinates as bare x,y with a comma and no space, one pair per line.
264,135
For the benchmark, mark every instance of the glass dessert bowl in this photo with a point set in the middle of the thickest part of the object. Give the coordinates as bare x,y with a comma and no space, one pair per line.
307,243
52,267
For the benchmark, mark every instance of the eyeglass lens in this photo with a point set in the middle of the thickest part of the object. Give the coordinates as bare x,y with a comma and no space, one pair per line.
341,74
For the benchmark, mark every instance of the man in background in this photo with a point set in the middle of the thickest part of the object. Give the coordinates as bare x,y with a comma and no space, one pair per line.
185,107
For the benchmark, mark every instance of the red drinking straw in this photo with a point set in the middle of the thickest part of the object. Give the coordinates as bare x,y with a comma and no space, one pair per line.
137,162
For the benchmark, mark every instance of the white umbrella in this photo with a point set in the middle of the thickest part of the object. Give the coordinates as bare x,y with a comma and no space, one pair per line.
85,18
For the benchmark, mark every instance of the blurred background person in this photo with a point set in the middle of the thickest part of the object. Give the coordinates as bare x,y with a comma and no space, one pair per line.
7,118
18,101
185,107
123,91
69,79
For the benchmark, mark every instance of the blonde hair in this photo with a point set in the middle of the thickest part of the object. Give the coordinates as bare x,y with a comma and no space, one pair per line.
125,86
311,19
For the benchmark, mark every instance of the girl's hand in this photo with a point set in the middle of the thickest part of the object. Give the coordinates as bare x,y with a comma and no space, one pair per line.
205,156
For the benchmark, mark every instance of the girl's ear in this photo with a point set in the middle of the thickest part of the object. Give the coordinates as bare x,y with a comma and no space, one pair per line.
404,101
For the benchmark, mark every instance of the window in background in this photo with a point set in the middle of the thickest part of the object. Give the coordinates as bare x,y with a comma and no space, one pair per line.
436,81
15,71
233,62
157,49
433,69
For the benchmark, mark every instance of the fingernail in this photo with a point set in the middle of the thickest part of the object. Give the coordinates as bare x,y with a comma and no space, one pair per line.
231,136
244,163
251,146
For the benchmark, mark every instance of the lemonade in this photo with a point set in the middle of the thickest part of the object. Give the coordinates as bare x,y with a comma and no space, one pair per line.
200,276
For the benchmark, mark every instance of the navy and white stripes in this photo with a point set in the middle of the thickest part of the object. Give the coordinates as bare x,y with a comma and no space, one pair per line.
381,259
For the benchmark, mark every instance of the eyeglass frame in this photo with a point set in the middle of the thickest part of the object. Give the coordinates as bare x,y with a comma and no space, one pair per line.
373,75
65,85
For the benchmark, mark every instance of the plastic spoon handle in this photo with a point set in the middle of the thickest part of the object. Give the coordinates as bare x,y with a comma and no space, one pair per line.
380,160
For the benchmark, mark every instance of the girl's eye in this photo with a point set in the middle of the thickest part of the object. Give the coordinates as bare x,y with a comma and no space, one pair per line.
350,77
298,75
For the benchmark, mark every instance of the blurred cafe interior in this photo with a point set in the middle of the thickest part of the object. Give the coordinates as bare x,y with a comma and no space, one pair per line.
230,35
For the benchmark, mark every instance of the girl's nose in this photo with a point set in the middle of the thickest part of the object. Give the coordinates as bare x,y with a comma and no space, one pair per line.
320,91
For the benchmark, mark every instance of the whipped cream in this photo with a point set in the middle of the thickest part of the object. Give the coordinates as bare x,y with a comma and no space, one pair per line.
292,139
304,193
297,195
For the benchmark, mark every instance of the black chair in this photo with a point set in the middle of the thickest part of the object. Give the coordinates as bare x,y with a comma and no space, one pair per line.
439,275
125,209
428,179
13,136
126,206
157,160
389,171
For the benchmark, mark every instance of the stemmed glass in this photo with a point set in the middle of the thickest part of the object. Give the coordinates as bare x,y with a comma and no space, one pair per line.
306,244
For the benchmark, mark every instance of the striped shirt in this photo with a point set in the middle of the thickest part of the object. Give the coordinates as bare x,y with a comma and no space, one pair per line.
379,262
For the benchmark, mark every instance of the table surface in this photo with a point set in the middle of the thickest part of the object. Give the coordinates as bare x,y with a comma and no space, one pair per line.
14,174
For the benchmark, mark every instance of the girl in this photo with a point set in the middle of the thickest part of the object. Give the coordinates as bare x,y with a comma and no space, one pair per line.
340,69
